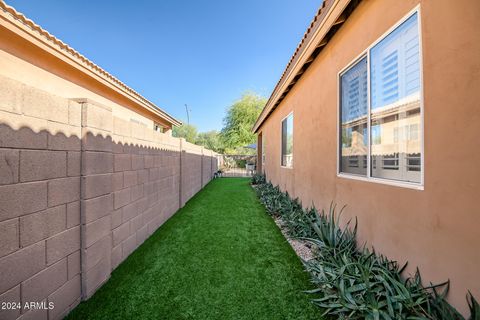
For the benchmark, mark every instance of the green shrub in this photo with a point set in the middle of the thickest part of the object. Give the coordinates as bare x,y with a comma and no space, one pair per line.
258,179
352,282
241,163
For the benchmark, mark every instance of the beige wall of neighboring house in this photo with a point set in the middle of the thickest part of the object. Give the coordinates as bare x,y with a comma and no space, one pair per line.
84,177
29,74
434,225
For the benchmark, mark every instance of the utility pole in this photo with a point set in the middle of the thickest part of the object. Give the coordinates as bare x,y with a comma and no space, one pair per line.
188,116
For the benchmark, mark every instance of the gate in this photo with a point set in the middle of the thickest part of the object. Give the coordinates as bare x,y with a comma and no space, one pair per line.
237,165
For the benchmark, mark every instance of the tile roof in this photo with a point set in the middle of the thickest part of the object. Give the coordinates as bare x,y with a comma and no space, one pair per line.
59,45
307,38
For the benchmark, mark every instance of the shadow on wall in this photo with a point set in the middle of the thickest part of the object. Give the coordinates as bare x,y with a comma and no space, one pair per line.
72,209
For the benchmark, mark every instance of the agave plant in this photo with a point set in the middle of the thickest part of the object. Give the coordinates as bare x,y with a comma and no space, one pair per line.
474,307
352,282
299,224
329,234
258,179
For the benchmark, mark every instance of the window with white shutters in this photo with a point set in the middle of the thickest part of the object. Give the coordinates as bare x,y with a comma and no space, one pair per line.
353,108
384,124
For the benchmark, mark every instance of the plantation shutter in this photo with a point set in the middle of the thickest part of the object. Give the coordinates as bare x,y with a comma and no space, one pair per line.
354,92
395,65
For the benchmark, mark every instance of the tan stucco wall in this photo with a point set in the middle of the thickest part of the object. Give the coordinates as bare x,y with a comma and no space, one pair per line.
436,229
29,74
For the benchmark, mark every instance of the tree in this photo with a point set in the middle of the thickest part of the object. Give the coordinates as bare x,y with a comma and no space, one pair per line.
187,131
240,118
210,140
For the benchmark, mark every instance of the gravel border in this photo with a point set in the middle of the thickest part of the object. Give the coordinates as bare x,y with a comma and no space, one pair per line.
301,248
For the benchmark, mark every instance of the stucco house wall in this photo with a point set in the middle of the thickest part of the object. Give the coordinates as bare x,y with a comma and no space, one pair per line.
435,228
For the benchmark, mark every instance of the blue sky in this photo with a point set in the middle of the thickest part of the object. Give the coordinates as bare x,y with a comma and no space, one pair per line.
175,52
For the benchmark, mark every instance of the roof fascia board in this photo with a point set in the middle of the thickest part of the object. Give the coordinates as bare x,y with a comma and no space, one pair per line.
16,26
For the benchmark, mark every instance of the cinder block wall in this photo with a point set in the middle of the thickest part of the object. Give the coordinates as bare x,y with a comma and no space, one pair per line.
192,161
207,166
39,200
80,190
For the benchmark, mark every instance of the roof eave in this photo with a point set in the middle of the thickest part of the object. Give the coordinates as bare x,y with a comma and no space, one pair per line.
33,33
329,15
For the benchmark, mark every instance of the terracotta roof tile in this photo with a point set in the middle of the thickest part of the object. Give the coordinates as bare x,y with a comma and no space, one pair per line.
315,22
75,55
314,25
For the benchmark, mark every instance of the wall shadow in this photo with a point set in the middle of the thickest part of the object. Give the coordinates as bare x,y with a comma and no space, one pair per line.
74,206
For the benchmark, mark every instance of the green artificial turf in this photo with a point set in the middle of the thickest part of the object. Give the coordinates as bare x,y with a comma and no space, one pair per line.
219,257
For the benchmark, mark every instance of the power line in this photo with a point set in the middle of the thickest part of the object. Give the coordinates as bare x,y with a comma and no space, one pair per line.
188,115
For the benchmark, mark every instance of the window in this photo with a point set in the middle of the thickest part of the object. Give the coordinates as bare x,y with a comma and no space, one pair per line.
353,106
380,109
157,127
263,149
287,141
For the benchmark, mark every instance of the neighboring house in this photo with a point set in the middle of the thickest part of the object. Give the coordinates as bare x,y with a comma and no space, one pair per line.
378,110
88,171
35,58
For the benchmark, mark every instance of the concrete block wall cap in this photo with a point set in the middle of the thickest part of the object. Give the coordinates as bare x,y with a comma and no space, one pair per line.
32,98
91,101
16,21
92,132
166,145
121,128
97,117
193,148
74,113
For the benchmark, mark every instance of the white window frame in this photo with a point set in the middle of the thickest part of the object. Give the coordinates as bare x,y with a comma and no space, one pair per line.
157,125
264,153
366,53
281,137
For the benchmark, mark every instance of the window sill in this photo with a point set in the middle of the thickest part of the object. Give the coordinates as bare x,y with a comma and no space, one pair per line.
414,186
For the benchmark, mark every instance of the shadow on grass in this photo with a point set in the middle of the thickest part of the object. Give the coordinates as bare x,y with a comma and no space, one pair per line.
219,257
